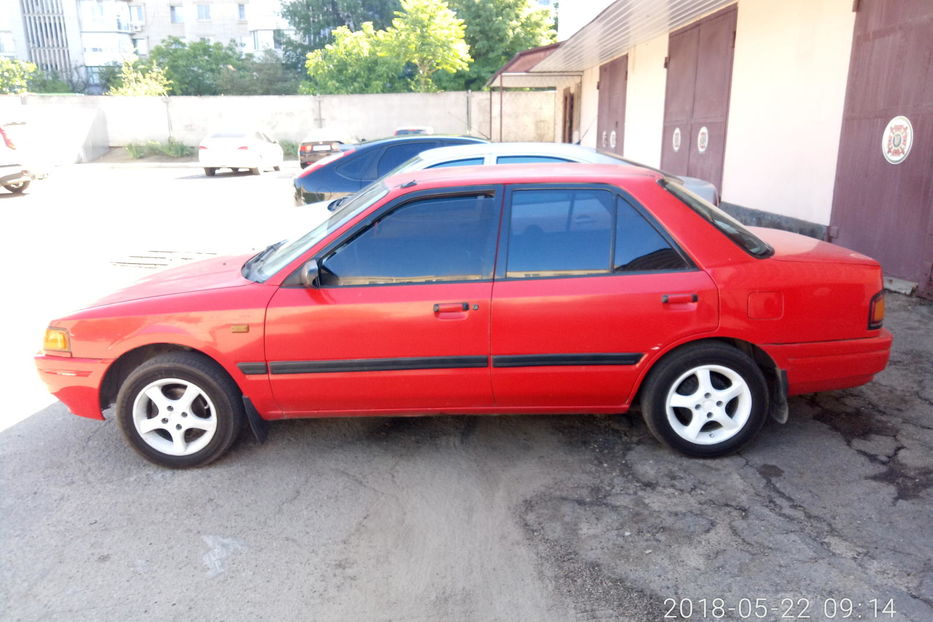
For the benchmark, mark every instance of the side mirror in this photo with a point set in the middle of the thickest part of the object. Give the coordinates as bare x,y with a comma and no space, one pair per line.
310,274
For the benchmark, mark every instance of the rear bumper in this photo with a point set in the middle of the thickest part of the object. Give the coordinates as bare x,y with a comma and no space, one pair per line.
75,381
830,365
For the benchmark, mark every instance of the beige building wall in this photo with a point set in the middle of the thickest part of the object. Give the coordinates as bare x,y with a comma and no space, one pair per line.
644,103
785,114
589,106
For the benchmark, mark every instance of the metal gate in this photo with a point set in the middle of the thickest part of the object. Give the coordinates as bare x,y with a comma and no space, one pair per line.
883,198
610,119
699,80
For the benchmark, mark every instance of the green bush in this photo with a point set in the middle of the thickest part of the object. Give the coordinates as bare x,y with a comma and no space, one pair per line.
290,149
171,149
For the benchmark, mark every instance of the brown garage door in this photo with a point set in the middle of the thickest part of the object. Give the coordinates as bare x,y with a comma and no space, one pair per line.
610,120
883,197
699,80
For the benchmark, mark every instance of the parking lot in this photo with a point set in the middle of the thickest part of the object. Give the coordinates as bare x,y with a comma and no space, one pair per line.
446,518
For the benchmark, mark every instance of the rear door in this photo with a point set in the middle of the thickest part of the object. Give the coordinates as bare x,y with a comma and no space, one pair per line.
579,298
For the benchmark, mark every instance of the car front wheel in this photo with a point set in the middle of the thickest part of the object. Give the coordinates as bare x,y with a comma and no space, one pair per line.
179,410
705,400
17,188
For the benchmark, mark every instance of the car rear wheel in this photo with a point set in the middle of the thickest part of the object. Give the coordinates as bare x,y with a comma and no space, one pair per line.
18,188
210,171
179,410
255,171
705,400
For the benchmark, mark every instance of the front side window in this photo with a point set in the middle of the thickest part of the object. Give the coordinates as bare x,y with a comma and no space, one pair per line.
583,232
430,240
463,162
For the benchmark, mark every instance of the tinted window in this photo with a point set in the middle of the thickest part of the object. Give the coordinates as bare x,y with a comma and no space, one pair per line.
528,159
358,166
639,246
425,241
732,228
396,154
464,162
560,232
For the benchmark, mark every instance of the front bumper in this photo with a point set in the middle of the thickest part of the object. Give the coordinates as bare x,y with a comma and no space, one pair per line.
74,381
831,365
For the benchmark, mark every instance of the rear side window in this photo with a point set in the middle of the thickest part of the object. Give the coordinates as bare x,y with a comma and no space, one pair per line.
358,166
432,240
529,159
732,228
585,232
396,154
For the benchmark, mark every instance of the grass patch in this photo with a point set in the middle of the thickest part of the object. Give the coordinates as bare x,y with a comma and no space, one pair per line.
171,149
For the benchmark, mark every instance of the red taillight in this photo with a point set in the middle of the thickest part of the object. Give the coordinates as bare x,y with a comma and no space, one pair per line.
201,147
306,148
323,162
876,311
243,148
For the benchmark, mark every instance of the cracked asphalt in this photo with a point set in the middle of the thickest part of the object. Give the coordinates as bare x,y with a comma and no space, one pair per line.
472,518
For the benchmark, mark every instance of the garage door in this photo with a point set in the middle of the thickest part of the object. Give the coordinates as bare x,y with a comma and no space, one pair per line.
883,197
610,122
699,79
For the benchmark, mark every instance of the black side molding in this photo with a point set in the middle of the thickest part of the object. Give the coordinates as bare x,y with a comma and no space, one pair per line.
548,360
395,364
252,369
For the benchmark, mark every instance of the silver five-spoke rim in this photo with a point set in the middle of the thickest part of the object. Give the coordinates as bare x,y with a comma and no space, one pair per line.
708,404
174,417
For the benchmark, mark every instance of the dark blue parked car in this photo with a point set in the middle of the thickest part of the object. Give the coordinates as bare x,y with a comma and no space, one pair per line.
355,166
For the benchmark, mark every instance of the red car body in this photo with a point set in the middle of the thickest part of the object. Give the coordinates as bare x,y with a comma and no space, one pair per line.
461,347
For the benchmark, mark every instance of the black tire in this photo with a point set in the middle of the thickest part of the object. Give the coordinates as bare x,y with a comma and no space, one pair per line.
210,171
219,405
255,171
276,168
720,368
18,188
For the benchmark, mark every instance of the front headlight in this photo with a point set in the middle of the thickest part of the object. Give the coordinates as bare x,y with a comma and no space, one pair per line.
56,341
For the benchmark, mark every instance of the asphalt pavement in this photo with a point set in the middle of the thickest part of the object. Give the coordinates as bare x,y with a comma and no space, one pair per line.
444,518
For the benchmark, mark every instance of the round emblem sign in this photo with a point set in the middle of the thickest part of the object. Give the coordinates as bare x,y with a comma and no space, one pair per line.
675,141
897,140
612,139
702,139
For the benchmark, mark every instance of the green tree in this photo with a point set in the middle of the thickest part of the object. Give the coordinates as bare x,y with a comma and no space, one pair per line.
195,68
14,75
265,75
425,38
315,21
429,35
496,30
356,62
138,78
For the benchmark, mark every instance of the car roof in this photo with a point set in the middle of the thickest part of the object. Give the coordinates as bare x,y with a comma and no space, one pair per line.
392,140
567,150
614,174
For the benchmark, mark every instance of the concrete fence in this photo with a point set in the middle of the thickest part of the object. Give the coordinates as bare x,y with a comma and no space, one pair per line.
80,128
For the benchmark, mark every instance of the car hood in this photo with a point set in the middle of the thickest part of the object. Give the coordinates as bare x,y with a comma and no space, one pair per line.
215,273
795,247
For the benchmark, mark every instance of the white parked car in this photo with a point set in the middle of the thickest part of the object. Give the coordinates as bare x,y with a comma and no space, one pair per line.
254,151
531,153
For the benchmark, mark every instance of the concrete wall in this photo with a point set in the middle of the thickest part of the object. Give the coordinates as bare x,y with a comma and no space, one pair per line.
589,106
644,104
785,114
527,115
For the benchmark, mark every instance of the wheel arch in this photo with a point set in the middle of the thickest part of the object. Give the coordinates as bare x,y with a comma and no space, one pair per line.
123,365
769,368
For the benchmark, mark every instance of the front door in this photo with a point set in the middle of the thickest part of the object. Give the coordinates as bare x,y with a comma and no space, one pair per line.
588,286
400,322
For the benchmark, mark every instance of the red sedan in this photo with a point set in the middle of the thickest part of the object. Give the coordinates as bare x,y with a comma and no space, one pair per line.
511,289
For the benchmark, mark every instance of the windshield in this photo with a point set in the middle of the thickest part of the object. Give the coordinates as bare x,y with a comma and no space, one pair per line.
279,255
732,228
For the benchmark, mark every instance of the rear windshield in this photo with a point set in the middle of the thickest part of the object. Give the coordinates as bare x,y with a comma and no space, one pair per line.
732,228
